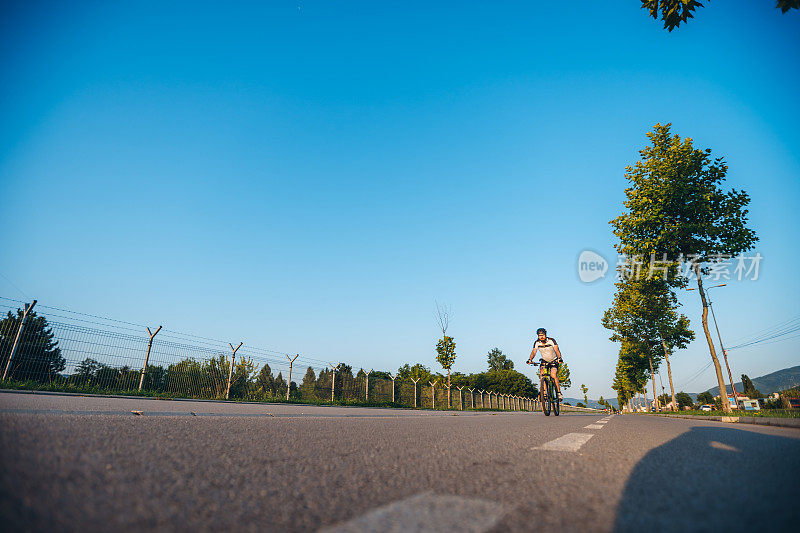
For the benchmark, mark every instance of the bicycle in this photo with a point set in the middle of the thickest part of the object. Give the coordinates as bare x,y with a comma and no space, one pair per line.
548,394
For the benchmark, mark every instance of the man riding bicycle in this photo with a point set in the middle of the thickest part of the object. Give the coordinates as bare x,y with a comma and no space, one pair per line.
550,354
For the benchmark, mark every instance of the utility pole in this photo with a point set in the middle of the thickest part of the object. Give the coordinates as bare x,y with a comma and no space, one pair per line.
289,384
393,378
721,347
147,356
25,313
333,378
230,370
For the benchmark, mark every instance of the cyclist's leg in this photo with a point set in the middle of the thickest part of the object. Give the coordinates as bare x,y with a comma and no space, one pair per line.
554,374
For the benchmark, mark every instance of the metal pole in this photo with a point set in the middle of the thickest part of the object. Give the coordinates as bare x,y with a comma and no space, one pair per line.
393,378
25,312
415,390
291,362
147,356
367,387
230,370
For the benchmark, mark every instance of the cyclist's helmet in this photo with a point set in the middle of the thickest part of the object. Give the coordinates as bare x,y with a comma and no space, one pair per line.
541,330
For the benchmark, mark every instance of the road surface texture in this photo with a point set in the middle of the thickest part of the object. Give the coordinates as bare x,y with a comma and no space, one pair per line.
73,463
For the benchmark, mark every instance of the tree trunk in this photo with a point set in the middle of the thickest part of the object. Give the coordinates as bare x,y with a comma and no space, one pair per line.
669,373
448,388
723,391
653,378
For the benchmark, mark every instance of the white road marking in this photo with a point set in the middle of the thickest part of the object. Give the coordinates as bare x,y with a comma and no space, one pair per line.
571,442
593,426
426,512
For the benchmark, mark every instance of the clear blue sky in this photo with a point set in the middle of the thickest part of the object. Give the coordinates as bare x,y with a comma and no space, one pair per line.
309,176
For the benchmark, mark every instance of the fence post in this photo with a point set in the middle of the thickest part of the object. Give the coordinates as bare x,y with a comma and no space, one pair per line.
25,312
230,370
393,378
289,383
460,398
367,387
433,392
333,378
415,390
471,399
480,391
147,356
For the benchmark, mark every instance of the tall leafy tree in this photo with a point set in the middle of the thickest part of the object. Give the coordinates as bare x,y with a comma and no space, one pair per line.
417,372
563,376
498,361
749,389
265,382
644,311
684,400
673,13
705,398
585,391
676,209
307,385
446,347
38,356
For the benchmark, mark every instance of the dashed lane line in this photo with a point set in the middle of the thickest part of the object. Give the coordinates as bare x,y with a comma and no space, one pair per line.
426,512
571,442
593,426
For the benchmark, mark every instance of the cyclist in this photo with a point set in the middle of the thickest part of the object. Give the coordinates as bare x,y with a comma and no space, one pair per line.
550,354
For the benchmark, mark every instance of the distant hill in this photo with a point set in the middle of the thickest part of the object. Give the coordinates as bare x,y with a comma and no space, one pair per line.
775,382
592,403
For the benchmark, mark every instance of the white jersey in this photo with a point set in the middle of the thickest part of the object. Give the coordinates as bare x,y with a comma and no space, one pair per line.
547,349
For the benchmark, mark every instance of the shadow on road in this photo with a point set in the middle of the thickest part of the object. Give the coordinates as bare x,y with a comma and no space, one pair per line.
715,478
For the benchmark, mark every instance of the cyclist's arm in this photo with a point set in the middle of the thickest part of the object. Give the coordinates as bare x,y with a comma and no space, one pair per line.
558,350
533,352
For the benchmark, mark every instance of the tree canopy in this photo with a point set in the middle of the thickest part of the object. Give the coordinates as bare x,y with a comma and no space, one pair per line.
38,357
673,13
497,360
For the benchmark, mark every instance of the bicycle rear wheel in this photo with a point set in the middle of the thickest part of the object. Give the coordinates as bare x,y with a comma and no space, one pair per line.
545,397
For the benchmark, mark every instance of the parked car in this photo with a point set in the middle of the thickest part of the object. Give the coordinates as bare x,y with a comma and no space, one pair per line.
706,407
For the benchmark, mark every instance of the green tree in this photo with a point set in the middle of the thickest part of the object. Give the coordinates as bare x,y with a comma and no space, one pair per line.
307,385
38,356
265,382
684,400
418,372
644,312
585,391
676,209
749,389
563,376
280,386
503,382
498,361
446,347
675,12
705,398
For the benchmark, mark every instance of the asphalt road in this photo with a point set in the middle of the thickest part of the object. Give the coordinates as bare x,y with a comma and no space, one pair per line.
88,464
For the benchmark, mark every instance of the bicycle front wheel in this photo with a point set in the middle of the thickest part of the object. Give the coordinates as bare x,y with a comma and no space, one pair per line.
556,402
545,397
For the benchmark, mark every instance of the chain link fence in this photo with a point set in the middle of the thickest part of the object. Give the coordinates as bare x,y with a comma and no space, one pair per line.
48,348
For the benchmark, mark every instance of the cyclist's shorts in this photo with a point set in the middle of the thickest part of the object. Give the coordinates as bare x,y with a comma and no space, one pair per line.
554,364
